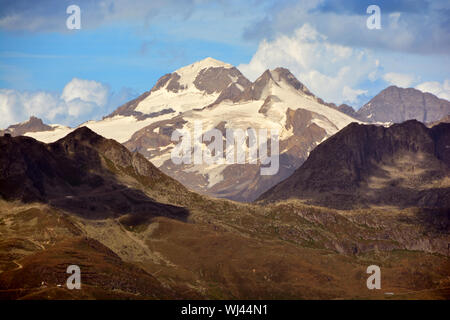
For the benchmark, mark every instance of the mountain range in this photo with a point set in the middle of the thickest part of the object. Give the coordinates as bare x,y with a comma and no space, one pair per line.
220,96
105,196
136,233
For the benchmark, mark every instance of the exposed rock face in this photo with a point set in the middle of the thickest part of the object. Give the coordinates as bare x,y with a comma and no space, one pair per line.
405,165
396,105
32,125
82,172
218,79
348,110
259,89
112,226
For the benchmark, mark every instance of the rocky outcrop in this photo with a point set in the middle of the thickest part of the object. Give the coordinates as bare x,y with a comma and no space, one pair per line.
405,165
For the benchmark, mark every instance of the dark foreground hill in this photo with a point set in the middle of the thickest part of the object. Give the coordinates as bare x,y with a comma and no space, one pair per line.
86,174
405,165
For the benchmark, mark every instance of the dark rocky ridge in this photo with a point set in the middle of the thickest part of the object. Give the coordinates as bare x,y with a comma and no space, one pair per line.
84,173
285,74
255,90
445,119
405,165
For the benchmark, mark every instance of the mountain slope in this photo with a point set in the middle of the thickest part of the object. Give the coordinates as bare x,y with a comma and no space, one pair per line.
105,274
396,105
191,87
406,165
84,173
276,100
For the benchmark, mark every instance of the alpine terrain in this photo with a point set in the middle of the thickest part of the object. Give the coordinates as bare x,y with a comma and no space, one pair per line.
136,233
219,96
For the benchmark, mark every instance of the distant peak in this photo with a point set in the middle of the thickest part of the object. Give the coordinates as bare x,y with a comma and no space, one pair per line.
31,120
34,119
284,74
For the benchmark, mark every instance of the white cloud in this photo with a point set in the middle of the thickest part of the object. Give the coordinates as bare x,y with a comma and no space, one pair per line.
420,27
399,79
332,72
85,90
16,106
79,101
441,90
351,95
8,100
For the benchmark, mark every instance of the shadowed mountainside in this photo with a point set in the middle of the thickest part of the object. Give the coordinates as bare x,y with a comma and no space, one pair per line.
405,165
86,174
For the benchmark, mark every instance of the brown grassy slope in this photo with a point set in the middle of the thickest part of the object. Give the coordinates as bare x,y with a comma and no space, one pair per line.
232,253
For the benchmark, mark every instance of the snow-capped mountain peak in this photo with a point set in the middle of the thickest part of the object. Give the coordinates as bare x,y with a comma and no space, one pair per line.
189,73
283,75
220,96
192,87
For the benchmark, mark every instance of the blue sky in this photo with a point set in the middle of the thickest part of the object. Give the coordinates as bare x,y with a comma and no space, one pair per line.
123,47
